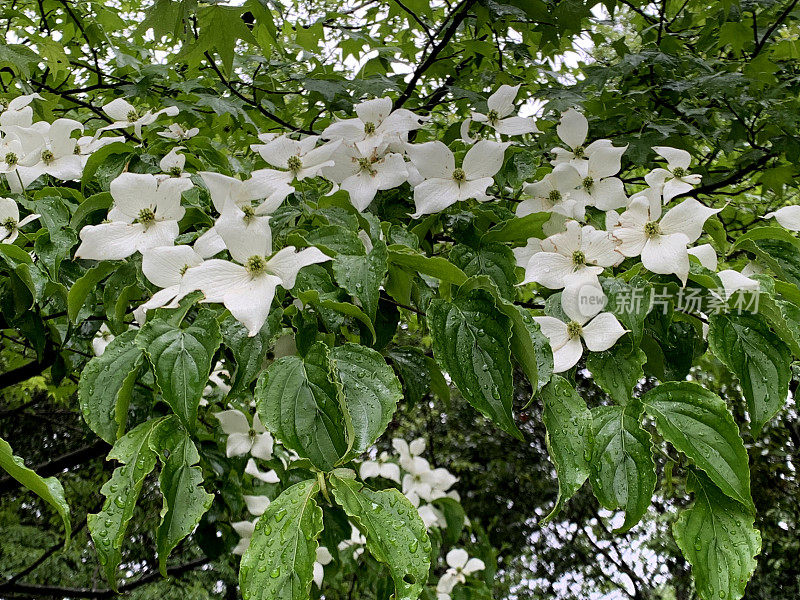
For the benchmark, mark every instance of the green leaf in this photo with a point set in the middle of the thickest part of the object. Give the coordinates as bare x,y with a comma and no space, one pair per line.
529,346
569,438
351,310
622,471
362,276
396,535
249,352
434,266
412,366
279,563
185,500
617,371
80,290
758,358
518,230
300,401
698,423
492,259
471,340
108,527
717,536
371,392
181,360
106,385
48,489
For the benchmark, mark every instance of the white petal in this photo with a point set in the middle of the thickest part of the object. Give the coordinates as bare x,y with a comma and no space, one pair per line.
369,468
602,332
787,217
323,555
583,297
666,254
675,187
457,558
374,111
432,159
209,244
233,421
502,101
434,195
473,565
317,574
733,281
517,126
238,444
687,218
417,446
164,266
278,151
674,156
222,188
605,161
244,237
286,263
554,329
706,255
256,505
484,159
118,109
110,241
266,476
262,445
250,303
567,356
572,128
548,269
214,278
133,192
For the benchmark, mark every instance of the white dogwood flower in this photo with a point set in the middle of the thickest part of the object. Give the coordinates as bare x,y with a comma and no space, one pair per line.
172,164
322,558
177,131
102,338
356,542
18,111
260,186
572,130
89,144
554,193
266,476
376,126
245,529
242,438
363,175
600,333
144,215
10,221
295,159
381,467
500,115
676,178
445,184
599,187
582,250
408,451
661,241
460,566
125,115
247,288
256,505
50,152
11,153
787,217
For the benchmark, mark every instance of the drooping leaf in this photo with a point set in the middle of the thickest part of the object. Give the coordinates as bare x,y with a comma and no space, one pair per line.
108,526
493,260
80,290
180,481
622,470
106,385
717,537
181,360
371,392
698,423
362,276
434,266
396,536
758,358
48,489
301,402
617,371
569,438
279,563
471,340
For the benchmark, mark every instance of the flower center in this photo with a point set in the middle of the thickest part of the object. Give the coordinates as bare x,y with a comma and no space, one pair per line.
48,156
10,224
580,152
252,433
146,217
249,214
459,176
132,115
652,229
294,163
578,258
365,165
492,117
175,171
554,196
679,172
369,127
183,270
574,329
588,183
11,159
255,265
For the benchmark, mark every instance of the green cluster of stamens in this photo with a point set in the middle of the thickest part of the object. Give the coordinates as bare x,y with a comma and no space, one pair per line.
175,171
365,165
369,127
588,183
574,329
578,258
132,115
48,156
146,217
554,196
11,159
580,151
294,163
492,117
679,172
652,228
459,175
255,265
249,213
10,224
